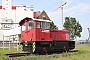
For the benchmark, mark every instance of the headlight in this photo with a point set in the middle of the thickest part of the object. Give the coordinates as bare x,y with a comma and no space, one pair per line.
30,39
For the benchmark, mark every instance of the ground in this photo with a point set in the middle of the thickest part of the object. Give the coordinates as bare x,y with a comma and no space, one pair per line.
82,54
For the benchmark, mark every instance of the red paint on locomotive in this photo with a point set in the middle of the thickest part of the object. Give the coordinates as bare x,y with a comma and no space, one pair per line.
37,33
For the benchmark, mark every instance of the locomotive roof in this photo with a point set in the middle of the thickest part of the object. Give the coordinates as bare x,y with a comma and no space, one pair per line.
23,20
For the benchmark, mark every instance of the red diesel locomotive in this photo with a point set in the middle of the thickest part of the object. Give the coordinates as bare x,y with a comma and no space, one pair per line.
36,36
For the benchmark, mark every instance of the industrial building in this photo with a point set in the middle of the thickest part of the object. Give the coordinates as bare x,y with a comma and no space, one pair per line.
11,15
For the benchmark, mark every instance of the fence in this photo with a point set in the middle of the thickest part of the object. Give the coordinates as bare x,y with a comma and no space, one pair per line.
12,41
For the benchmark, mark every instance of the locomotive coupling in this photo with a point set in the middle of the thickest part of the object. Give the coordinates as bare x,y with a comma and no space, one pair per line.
19,44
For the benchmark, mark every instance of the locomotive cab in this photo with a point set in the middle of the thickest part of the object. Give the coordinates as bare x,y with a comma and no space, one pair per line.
27,25
34,30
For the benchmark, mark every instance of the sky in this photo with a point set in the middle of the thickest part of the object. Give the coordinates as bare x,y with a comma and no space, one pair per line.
79,9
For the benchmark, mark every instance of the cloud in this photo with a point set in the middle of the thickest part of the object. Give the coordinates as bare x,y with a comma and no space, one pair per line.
78,10
73,11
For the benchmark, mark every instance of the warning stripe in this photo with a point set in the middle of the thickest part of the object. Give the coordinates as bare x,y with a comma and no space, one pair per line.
33,46
26,44
34,43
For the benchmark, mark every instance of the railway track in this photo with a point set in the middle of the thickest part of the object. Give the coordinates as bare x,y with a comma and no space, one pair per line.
28,54
14,56
17,54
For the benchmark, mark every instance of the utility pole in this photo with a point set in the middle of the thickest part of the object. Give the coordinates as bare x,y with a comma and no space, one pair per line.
61,6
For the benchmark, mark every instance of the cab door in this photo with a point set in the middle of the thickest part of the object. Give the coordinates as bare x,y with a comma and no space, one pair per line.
30,30
24,31
38,30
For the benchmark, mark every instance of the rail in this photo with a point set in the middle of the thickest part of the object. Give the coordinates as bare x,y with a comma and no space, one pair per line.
17,54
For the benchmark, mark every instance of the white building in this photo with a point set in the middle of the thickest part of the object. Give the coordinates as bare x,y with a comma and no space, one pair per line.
11,15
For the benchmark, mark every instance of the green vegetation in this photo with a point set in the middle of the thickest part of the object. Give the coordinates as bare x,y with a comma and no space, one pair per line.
53,26
74,27
7,51
82,54
74,53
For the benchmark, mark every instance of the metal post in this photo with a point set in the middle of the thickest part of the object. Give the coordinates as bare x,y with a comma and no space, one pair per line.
13,40
17,42
9,42
3,42
15,18
17,45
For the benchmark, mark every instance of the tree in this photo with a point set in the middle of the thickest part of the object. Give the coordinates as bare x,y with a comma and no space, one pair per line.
74,28
53,26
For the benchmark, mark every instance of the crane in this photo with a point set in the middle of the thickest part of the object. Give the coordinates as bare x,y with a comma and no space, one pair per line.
61,6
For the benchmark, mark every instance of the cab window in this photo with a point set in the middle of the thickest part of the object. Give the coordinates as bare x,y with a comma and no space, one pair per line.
37,24
45,25
30,24
24,26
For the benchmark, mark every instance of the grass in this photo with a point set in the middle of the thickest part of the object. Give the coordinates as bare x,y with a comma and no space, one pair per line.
7,51
82,54
74,53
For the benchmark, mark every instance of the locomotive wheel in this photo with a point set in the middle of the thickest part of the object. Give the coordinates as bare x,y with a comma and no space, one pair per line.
66,49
